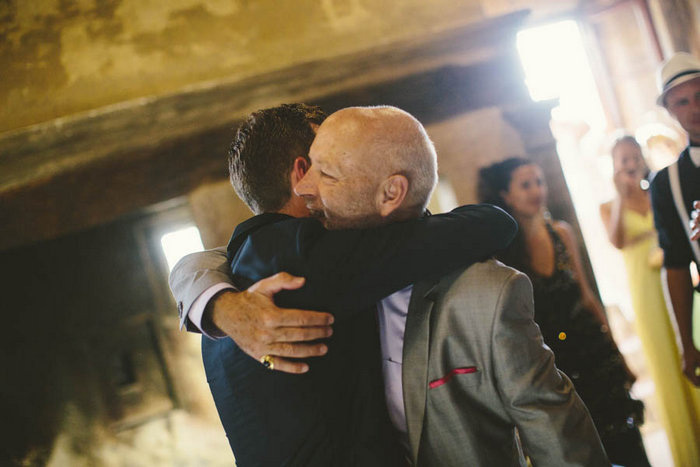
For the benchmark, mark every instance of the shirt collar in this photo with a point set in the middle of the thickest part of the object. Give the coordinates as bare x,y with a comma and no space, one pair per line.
695,155
245,228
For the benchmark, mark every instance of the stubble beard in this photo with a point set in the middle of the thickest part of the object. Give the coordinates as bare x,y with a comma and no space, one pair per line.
355,214
360,221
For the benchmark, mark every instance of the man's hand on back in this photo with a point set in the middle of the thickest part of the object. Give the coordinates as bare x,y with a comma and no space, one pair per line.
261,328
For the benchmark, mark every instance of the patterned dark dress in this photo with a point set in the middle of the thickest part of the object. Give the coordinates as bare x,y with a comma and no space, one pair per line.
588,356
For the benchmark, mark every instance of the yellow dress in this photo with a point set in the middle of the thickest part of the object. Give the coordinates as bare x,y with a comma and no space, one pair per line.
678,399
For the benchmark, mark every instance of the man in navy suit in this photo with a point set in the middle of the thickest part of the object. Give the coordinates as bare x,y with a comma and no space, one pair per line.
335,414
473,367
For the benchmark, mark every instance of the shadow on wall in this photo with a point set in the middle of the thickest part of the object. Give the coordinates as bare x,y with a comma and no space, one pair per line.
95,370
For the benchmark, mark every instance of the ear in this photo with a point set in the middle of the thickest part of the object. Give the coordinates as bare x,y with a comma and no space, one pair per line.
299,169
392,193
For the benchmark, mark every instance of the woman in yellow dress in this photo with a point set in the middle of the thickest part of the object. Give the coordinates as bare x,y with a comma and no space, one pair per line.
629,223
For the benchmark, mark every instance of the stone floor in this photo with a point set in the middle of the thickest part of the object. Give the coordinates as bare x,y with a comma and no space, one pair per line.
176,439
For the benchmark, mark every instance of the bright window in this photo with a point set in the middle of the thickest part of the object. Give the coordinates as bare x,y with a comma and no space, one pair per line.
179,243
556,66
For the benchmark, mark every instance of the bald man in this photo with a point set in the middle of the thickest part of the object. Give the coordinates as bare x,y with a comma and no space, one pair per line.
464,363
373,166
335,414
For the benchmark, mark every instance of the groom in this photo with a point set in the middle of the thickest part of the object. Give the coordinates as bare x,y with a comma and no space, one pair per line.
364,174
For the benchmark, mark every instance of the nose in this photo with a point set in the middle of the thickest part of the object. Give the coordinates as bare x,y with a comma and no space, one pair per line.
539,189
307,185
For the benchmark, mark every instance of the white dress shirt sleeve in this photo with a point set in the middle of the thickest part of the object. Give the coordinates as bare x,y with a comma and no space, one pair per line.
197,309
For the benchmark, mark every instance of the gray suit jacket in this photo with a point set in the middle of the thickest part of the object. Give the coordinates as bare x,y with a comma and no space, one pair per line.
475,367
480,317
194,274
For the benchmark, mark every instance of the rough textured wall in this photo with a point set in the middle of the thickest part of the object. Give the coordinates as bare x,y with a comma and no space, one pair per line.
540,8
95,370
470,141
677,23
58,57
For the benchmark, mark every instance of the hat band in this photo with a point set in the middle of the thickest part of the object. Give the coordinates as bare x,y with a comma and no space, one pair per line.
679,75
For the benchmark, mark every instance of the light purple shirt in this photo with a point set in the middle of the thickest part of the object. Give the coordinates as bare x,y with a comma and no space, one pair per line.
197,308
391,314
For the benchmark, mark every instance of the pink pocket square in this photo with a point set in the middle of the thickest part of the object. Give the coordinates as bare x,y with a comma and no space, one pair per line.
456,371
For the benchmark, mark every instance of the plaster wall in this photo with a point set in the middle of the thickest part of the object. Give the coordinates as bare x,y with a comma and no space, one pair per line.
470,141
59,57
95,368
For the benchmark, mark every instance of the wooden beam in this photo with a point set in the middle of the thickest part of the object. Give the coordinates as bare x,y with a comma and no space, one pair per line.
87,169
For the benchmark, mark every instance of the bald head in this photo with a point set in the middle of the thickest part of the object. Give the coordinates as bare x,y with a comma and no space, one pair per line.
369,165
384,141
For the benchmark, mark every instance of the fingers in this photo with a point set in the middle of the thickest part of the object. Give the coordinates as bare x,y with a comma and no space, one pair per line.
303,334
277,317
292,317
278,352
273,284
289,366
297,349
259,327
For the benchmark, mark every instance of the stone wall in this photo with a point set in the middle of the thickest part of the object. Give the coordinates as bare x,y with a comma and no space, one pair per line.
59,57
95,369
62,57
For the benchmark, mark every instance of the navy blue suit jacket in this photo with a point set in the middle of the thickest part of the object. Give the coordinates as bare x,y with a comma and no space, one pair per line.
335,414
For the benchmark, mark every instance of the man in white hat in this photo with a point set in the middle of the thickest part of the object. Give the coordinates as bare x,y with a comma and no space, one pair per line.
673,191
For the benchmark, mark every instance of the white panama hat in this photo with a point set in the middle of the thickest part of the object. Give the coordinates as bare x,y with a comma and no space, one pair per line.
678,69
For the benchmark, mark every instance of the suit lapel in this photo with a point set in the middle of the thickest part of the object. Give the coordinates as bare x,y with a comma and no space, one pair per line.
415,361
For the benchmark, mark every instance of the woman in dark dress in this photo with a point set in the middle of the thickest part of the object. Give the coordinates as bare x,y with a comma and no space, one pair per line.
570,316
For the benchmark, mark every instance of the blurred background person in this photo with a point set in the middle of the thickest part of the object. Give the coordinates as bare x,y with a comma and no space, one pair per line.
630,226
673,191
570,316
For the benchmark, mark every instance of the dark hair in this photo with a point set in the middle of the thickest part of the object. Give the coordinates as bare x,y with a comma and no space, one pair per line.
263,151
493,180
625,139
633,141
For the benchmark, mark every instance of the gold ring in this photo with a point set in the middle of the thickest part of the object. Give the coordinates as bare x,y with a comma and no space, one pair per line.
267,362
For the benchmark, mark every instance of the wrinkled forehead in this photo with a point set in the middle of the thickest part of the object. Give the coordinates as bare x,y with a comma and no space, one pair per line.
341,145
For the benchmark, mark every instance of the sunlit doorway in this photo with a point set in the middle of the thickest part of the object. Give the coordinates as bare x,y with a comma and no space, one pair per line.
556,65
